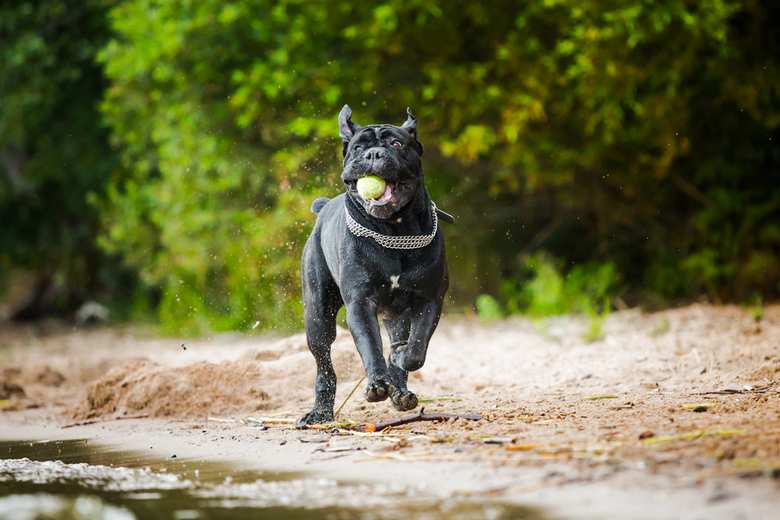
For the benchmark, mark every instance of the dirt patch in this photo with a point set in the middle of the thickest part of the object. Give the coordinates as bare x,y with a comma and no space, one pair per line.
643,395
49,377
12,379
10,389
144,387
261,379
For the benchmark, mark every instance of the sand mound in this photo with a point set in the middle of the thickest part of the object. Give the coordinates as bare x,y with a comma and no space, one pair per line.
14,381
281,374
144,387
8,384
9,389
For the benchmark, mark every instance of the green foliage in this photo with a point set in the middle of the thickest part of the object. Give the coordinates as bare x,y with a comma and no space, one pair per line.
661,327
488,308
53,150
756,308
626,118
636,135
545,289
595,330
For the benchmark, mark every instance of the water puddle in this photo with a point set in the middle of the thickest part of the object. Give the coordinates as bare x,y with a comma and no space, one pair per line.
63,480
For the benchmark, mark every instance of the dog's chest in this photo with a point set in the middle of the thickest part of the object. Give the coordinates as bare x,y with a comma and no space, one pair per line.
395,287
404,276
393,301
396,294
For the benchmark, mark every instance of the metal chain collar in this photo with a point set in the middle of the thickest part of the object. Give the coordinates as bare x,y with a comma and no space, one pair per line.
392,242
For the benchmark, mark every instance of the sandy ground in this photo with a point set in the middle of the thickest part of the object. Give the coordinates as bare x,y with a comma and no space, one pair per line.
626,427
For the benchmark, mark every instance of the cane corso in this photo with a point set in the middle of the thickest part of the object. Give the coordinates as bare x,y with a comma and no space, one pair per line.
382,257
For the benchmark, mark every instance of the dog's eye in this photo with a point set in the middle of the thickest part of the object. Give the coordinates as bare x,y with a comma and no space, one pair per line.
358,147
397,144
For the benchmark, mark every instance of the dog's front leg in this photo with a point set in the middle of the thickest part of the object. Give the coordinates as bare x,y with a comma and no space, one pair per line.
363,323
425,317
399,330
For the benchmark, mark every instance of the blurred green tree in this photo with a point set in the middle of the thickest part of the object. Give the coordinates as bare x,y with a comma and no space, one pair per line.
54,150
637,133
642,135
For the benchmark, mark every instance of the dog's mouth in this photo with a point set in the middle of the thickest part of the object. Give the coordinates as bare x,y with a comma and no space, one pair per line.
396,195
390,195
387,196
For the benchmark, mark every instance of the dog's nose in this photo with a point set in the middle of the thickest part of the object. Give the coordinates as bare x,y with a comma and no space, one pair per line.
374,154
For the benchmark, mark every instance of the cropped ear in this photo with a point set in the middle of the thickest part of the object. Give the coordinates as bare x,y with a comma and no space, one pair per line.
411,127
347,128
411,124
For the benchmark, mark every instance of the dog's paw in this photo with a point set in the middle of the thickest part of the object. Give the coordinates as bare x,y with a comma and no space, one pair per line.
379,390
403,400
316,417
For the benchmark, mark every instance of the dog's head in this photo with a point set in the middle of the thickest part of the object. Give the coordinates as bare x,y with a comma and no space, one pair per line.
391,152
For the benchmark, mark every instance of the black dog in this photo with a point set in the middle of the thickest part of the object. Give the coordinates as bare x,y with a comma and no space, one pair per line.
381,258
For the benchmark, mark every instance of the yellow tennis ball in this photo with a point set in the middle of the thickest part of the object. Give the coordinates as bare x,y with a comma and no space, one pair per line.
371,187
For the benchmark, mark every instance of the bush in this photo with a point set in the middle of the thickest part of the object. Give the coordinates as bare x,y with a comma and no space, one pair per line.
545,289
622,132
640,135
488,309
54,153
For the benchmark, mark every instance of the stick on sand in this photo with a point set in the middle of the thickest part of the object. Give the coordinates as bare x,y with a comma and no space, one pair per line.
421,416
350,395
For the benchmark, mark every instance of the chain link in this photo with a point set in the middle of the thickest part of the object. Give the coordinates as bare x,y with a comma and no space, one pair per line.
391,242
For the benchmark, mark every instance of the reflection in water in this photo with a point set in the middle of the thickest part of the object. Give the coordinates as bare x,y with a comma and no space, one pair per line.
23,507
77,480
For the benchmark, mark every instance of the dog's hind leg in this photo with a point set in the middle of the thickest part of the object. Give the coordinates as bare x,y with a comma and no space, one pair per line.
321,303
399,329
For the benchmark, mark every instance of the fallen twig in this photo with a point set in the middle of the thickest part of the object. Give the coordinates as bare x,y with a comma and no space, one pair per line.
337,449
396,456
692,435
421,416
758,473
525,447
700,407
350,395
771,386
277,414
218,420
94,421
313,439
359,433
272,420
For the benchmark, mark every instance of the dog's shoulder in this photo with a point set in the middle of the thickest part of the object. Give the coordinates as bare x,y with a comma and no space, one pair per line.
330,214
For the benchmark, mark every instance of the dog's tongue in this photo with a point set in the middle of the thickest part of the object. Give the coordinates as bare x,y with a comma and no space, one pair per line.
388,194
